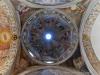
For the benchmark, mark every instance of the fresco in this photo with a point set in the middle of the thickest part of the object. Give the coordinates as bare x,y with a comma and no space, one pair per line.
51,37
9,32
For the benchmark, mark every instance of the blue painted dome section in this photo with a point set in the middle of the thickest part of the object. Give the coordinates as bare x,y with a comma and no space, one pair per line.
49,36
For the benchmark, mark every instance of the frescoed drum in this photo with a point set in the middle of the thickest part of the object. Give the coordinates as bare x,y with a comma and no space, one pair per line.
90,37
9,36
50,70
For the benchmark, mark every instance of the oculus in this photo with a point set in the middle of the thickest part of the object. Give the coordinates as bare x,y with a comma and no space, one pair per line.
49,37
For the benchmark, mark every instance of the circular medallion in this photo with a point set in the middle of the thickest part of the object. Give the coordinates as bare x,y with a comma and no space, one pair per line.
89,37
9,26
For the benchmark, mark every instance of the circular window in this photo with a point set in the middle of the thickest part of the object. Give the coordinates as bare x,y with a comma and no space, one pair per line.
49,37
